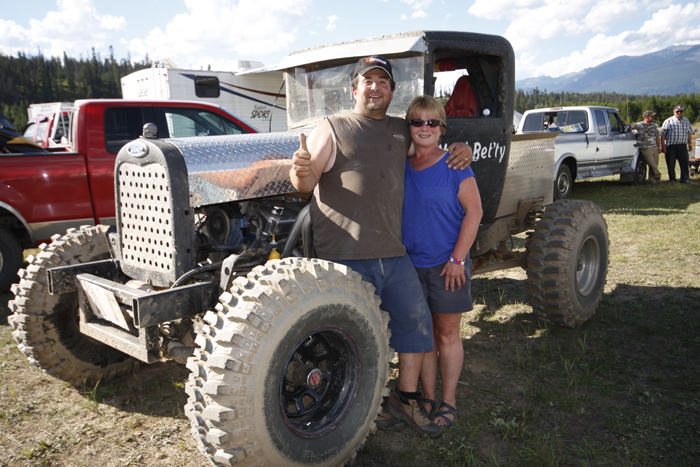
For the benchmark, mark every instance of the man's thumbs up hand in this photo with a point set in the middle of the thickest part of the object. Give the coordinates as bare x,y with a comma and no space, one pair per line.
301,161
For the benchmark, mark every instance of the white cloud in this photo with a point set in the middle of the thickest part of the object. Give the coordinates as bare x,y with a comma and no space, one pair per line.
538,27
74,28
14,37
418,7
666,27
418,4
331,23
502,9
215,28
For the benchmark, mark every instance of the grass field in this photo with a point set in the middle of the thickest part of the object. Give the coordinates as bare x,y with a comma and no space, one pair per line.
621,390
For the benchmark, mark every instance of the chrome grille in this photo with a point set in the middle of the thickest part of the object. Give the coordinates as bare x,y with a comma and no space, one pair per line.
155,221
146,217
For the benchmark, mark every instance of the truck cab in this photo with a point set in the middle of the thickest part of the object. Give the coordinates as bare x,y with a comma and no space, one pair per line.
592,141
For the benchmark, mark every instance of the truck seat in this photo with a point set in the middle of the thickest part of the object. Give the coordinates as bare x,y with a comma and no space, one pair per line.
462,102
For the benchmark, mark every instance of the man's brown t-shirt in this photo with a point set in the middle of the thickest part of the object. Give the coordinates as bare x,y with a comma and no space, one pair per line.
356,209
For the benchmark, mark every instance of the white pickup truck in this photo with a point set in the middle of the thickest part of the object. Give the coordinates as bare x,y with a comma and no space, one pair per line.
594,142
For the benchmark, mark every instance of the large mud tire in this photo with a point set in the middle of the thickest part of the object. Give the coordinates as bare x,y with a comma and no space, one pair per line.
10,259
46,326
244,411
568,262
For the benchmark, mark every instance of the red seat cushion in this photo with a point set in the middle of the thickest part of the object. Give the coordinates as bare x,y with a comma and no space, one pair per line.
462,102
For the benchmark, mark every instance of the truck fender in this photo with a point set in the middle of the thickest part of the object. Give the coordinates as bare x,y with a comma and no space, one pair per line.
21,218
566,157
637,156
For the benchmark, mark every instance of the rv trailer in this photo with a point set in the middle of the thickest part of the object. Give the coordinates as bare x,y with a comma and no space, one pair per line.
254,95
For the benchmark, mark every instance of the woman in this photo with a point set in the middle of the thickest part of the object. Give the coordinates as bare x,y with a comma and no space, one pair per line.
441,215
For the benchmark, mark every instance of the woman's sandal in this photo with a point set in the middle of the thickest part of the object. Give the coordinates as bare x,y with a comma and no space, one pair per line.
432,404
446,409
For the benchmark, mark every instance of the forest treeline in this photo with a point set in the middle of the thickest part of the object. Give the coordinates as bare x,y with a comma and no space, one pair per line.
31,79
26,79
631,106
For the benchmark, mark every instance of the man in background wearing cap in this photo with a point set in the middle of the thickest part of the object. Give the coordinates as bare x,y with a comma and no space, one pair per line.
354,163
649,144
675,135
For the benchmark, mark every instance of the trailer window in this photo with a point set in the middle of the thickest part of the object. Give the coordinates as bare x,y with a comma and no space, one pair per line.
207,86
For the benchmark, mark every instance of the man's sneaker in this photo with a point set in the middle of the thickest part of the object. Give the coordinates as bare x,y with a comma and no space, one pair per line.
412,412
672,182
688,182
387,422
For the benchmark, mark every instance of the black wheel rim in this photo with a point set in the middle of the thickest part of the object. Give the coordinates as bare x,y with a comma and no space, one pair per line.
563,184
311,412
641,171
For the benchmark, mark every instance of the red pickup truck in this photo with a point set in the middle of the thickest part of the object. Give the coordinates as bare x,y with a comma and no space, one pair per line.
45,193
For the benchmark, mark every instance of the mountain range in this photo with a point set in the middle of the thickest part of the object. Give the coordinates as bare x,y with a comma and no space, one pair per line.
673,70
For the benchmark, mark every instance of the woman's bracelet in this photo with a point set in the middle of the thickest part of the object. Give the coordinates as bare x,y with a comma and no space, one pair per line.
456,261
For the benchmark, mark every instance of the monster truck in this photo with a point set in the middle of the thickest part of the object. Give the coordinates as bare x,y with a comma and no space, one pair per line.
289,357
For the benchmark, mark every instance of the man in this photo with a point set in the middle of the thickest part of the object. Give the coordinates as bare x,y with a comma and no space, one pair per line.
354,163
649,144
675,135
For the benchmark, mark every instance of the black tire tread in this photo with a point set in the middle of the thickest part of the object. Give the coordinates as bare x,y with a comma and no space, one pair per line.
33,330
11,259
246,318
549,255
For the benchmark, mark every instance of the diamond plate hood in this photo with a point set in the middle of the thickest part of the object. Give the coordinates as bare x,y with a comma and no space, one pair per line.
237,167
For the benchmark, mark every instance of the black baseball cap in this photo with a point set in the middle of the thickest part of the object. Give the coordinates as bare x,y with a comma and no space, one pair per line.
649,113
679,108
368,63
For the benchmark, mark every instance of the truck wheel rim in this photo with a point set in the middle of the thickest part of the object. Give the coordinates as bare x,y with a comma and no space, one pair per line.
641,172
312,411
563,183
587,265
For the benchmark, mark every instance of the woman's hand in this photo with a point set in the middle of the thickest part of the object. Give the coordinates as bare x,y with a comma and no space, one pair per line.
454,275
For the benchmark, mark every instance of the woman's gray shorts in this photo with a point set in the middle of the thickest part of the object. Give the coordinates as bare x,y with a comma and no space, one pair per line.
445,301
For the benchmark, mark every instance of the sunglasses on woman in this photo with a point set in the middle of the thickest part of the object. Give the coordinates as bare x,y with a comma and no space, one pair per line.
417,122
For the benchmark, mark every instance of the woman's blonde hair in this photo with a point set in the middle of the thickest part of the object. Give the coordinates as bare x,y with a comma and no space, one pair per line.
429,104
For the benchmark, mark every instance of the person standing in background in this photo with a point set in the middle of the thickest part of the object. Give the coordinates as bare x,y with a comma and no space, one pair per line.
649,144
675,144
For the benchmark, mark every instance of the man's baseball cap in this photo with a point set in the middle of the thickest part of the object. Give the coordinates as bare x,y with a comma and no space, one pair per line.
679,108
649,113
365,64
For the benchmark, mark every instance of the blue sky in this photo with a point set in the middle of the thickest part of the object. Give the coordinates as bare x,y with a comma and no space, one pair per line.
550,37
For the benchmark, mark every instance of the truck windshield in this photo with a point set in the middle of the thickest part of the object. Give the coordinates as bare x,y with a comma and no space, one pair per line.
314,94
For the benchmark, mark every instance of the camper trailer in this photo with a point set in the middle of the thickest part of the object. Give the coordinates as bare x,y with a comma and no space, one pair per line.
251,93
